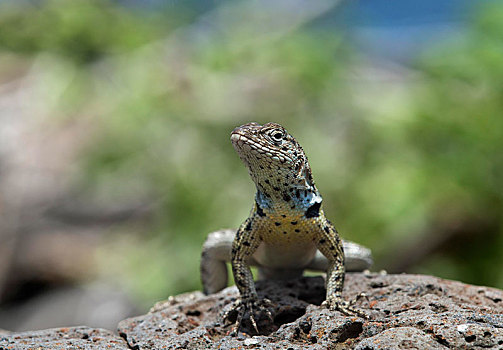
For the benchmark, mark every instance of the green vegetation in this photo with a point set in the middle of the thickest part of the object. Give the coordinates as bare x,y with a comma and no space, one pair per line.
413,165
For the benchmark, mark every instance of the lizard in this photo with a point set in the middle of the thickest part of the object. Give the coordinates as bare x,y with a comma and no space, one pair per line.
286,232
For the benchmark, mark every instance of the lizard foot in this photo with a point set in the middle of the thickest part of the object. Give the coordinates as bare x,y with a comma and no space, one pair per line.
251,305
336,303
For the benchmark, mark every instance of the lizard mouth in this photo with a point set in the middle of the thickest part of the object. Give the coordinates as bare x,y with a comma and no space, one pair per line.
245,146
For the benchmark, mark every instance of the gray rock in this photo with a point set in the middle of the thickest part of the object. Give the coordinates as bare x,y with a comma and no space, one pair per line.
400,338
63,338
405,312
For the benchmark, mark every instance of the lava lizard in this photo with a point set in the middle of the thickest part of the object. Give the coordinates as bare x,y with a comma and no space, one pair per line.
286,232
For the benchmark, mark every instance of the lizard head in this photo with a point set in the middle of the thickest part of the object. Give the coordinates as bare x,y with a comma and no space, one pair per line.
271,154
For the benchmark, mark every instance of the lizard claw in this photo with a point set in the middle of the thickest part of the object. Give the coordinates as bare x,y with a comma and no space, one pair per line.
336,303
251,305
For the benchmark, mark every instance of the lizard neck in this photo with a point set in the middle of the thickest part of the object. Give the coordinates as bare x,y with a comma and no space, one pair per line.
283,189
279,168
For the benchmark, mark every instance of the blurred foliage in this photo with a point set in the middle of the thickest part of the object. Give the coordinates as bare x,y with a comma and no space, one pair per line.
401,164
82,30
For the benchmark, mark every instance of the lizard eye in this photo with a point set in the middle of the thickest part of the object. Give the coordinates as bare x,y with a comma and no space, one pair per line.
277,135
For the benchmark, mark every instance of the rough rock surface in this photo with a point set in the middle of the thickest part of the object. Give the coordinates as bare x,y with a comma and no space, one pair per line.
405,312
62,338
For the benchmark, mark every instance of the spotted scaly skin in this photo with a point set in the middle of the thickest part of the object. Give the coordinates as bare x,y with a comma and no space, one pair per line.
287,223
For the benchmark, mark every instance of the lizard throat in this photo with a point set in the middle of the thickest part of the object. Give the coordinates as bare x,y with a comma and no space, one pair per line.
275,198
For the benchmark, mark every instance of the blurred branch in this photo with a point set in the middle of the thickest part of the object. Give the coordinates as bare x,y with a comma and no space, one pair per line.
441,238
76,213
265,21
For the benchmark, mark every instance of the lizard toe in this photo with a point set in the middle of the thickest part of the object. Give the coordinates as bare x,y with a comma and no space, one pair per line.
336,303
250,306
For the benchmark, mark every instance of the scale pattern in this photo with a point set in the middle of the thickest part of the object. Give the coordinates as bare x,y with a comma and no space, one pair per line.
287,223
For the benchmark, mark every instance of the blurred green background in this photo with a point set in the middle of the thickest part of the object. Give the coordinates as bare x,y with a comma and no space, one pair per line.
408,155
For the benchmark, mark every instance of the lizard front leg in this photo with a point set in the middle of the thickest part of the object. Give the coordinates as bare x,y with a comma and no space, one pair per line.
244,245
330,245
